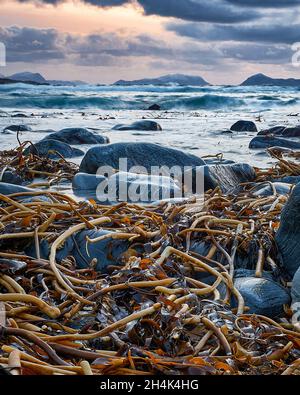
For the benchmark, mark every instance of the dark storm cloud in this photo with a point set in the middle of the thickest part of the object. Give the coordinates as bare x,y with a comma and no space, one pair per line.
219,11
30,45
268,33
265,3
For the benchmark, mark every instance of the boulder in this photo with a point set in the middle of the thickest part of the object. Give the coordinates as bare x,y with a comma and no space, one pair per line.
282,131
137,154
139,188
296,288
227,177
139,125
262,295
11,177
289,180
264,142
85,185
154,107
288,235
105,252
17,128
77,136
53,149
268,188
8,189
244,126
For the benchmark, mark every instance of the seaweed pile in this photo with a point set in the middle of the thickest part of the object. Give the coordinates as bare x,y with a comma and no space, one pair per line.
153,314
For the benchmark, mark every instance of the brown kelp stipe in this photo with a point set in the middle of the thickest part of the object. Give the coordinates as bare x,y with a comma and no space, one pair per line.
164,309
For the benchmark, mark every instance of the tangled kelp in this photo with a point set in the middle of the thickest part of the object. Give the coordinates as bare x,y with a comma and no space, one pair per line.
156,313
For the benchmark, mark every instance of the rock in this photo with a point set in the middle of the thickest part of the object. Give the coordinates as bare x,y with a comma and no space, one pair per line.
227,177
267,189
106,252
19,115
289,180
8,189
137,154
288,235
282,131
262,295
52,149
139,125
140,188
77,136
17,128
244,126
85,185
11,177
263,142
218,161
296,288
154,107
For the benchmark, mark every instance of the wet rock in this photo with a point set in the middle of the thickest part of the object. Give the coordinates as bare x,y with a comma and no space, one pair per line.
140,188
17,128
85,185
227,177
262,295
268,189
288,235
289,179
11,177
19,115
264,142
53,149
244,126
8,189
217,161
282,131
137,154
154,107
296,289
139,125
99,255
77,136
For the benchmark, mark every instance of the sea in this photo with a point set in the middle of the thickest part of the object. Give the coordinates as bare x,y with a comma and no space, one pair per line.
193,119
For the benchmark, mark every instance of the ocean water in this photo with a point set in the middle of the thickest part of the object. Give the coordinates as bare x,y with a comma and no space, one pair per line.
192,118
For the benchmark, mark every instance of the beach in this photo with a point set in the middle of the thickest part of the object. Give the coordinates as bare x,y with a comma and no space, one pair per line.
198,285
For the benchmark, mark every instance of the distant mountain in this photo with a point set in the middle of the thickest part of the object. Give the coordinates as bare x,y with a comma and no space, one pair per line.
28,77
263,80
177,79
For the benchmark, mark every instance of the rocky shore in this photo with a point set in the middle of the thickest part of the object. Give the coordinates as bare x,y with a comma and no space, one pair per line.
205,284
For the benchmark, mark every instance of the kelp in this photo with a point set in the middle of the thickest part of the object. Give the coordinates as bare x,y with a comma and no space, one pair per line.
162,309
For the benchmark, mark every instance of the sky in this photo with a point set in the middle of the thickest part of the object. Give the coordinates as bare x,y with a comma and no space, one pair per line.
101,41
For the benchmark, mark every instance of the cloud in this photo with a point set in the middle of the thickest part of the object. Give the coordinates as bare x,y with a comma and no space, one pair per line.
261,33
219,11
265,3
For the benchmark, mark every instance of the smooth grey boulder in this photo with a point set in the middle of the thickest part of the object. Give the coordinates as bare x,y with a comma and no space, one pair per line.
137,154
140,188
262,295
282,131
269,141
8,189
268,188
53,149
139,125
289,180
85,185
11,177
17,128
77,136
244,126
296,288
227,177
98,255
288,235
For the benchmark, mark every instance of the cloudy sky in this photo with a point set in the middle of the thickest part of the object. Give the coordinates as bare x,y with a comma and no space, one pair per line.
224,41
